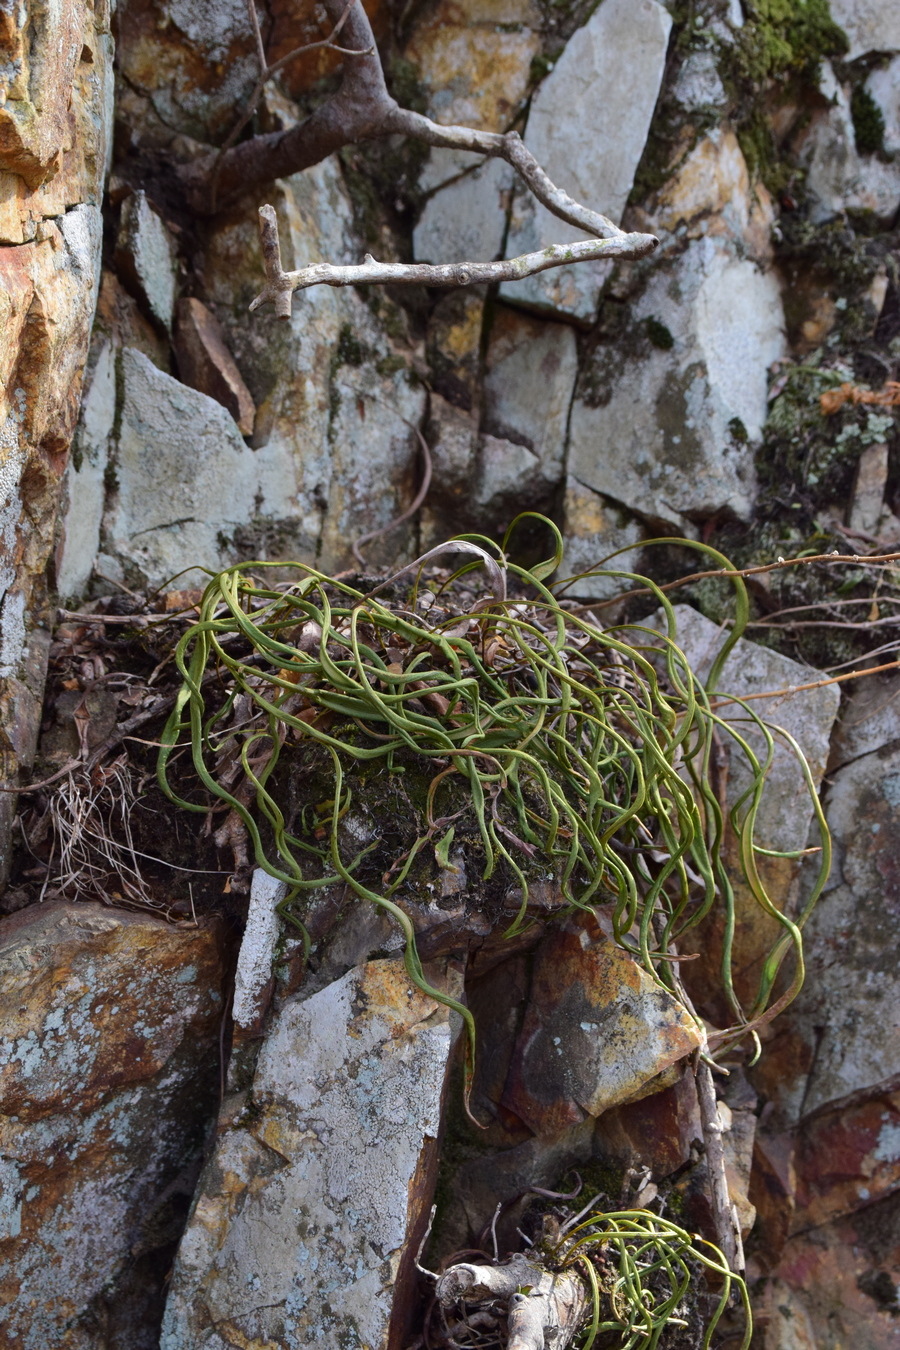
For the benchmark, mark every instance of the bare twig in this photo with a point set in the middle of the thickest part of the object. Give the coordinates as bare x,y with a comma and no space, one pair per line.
280,284
813,684
725,1220
362,109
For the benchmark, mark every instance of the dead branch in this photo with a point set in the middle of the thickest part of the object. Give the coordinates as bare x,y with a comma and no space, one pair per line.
542,1308
267,71
280,284
360,110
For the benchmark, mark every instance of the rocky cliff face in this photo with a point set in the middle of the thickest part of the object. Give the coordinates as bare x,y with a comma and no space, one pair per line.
678,395
55,144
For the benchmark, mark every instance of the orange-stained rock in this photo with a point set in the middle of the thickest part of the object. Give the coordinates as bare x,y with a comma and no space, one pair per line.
710,192
205,363
55,130
108,1075
475,74
55,111
598,1031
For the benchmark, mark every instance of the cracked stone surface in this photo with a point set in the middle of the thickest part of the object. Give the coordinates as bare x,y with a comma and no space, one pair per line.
315,1198
611,70
667,430
108,1070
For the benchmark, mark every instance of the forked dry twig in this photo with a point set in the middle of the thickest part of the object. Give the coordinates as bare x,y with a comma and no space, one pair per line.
280,285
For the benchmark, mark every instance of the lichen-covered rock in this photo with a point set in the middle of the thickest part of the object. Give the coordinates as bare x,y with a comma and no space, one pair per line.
108,1073
598,1031
310,1211
593,155
699,85
665,416
184,68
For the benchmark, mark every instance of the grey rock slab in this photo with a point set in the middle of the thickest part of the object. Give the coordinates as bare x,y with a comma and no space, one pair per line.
838,178
185,480
587,127
668,431
846,1021
529,381
144,255
870,25
466,220
883,84
83,515
786,812
593,527
314,1201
